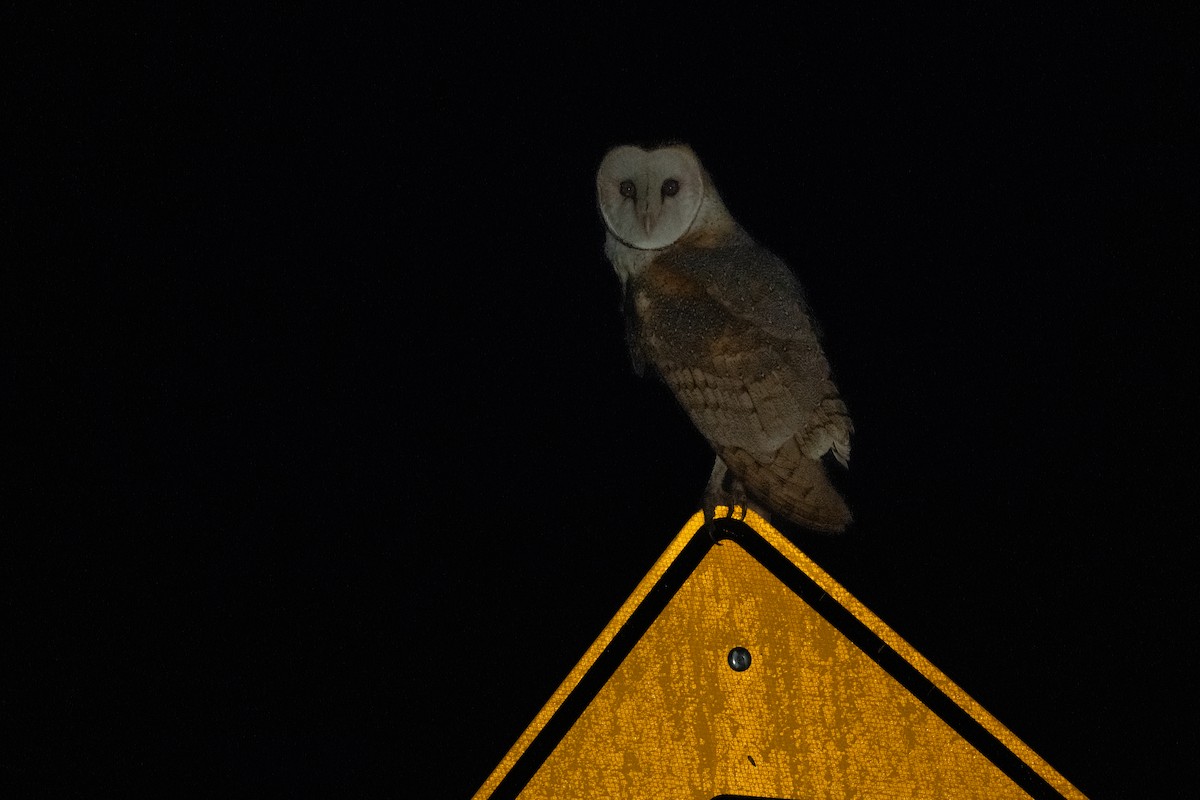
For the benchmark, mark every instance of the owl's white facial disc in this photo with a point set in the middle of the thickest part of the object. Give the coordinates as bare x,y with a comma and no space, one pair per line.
649,199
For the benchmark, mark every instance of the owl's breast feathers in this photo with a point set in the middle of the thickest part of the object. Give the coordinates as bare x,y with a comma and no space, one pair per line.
727,328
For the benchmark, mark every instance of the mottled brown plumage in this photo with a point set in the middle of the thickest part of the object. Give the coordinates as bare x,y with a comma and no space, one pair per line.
725,324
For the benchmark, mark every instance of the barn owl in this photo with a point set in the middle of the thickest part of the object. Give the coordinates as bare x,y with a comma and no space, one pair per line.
725,323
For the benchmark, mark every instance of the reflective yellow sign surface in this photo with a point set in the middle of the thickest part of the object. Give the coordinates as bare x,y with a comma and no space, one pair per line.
813,715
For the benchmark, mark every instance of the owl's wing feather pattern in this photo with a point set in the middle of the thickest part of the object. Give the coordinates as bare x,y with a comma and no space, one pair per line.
759,341
760,289
740,352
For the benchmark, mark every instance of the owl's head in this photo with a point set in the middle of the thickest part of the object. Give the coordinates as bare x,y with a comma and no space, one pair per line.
650,198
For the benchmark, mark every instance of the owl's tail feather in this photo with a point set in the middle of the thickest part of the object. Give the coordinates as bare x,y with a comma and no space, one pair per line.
793,486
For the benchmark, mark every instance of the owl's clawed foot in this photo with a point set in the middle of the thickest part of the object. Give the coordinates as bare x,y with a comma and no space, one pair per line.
717,526
723,490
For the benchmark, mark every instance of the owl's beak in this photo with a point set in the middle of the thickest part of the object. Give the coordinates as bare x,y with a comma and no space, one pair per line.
648,215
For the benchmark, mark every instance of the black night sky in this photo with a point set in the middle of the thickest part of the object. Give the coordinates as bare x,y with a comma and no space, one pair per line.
332,462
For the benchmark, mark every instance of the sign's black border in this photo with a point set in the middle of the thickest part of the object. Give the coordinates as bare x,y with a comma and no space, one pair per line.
834,612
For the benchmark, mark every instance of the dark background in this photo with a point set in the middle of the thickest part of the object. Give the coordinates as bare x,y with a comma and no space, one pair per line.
331,460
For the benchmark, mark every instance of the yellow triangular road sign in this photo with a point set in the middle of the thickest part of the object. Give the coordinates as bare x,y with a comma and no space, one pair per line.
741,668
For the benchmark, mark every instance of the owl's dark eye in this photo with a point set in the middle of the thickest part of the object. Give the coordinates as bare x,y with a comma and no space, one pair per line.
628,189
670,187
